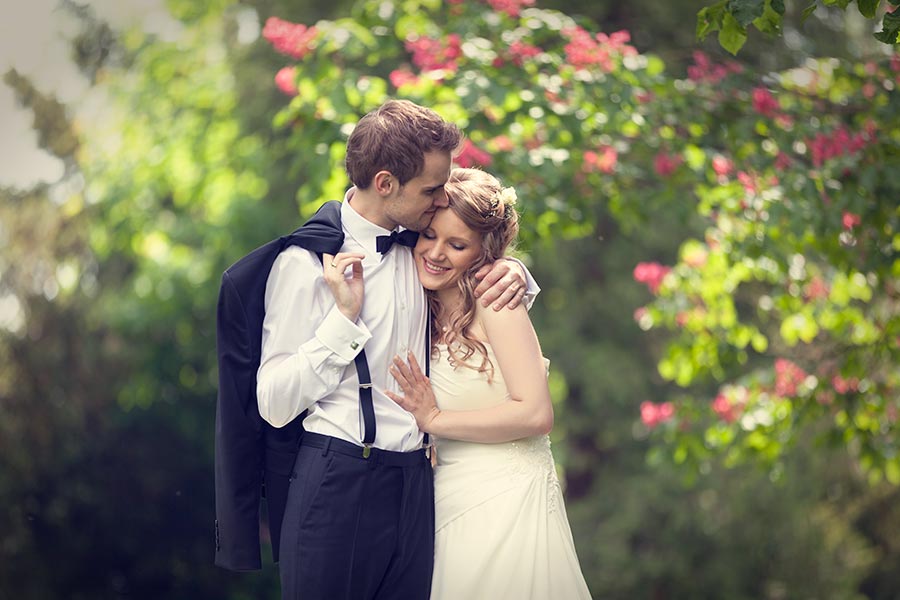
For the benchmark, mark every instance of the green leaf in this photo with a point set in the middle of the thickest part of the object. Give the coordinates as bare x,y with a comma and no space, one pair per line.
710,18
746,11
770,22
732,35
808,11
868,7
890,29
778,6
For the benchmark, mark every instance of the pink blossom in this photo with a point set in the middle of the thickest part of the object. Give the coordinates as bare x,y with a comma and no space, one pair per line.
705,71
782,161
764,102
292,39
401,77
721,165
665,164
285,80
842,386
605,161
654,414
816,289
584,51
431,54
470,155
850,220
750,185
787,377
639,313
502,143
651,274
519,51
722,407
643,97
510,7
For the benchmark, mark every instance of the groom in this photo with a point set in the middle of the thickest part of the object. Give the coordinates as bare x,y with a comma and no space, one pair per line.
359,518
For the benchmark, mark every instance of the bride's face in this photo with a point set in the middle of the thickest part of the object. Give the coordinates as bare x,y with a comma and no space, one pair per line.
445,250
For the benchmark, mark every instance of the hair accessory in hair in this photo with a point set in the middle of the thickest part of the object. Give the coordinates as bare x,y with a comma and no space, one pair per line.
505,197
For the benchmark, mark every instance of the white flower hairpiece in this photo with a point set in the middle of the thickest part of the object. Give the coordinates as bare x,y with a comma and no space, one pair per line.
506,196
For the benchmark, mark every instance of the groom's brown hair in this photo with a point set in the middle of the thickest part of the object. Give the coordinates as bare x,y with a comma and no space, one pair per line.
395,137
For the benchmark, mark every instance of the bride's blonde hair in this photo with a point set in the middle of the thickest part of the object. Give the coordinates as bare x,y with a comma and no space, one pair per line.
486,207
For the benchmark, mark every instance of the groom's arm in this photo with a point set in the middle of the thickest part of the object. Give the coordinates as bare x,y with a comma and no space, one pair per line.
506,283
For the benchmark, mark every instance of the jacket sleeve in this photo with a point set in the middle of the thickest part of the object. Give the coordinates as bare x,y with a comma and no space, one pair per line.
239,442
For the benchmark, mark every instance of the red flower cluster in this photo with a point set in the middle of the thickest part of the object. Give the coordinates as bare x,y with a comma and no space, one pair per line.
705,71
787,377
816,289
430,54
584,50
400,77
285,79
651,274
293,39
510,7
839,142
517,53
850,220
842,386
471,155
605,161
722,166
653,414
764,102
723,407
665,164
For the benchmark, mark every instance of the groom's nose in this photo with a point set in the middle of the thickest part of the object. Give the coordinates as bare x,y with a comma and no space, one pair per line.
440,199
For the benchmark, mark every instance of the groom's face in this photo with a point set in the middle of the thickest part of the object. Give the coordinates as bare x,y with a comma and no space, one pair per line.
412,205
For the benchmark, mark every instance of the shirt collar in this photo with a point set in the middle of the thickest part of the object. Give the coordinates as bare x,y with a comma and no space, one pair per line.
357,227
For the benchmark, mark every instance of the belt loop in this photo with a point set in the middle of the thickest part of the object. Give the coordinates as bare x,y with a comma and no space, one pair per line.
326,446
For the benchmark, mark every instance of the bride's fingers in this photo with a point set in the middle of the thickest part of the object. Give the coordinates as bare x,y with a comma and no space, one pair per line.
417,374
401,379
404,369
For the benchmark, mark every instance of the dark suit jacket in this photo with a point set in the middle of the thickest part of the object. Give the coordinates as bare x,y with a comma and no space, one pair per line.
254,459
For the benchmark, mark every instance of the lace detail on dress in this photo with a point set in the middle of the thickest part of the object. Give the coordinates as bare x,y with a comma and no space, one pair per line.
532,456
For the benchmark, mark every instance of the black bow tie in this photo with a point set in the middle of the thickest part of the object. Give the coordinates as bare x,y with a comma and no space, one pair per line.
406,237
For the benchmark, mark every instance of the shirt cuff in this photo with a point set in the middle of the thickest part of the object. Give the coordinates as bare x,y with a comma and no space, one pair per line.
532,289
343,337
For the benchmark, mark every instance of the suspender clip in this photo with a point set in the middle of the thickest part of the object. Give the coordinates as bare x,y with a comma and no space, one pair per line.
367,450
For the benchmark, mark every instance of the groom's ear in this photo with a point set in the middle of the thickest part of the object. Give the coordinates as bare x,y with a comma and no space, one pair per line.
385,183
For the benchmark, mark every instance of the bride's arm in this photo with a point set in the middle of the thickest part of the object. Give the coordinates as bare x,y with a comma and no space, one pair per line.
527,412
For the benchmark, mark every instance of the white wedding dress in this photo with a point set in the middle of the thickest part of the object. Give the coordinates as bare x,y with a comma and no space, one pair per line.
500,523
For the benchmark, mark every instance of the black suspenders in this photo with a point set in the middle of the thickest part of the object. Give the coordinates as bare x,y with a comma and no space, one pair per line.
366,406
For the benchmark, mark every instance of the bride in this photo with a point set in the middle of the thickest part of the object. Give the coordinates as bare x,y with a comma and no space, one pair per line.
501,529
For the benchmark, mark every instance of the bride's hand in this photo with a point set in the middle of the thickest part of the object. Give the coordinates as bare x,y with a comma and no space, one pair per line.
418,397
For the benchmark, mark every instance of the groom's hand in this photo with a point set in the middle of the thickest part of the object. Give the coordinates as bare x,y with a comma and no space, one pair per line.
502,283
346,289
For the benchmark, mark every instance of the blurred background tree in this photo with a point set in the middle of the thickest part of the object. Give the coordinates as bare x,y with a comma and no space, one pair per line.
109,278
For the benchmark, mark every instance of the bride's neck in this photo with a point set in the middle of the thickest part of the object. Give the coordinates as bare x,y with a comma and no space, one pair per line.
450,299
451,303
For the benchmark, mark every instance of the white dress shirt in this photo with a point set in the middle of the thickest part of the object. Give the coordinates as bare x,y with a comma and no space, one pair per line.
307,343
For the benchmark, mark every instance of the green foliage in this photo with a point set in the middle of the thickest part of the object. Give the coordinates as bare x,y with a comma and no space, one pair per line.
732,18
793,176
108,381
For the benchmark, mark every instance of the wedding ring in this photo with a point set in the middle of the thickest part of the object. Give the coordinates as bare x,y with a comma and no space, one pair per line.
333,264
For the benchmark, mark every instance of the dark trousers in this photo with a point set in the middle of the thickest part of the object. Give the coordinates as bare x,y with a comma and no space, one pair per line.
357,528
